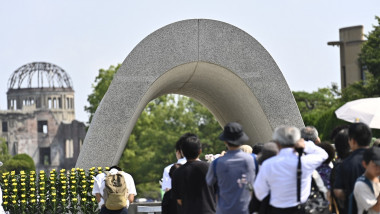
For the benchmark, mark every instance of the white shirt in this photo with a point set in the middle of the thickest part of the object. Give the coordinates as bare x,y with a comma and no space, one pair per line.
364,197
99,186
166,180
278,175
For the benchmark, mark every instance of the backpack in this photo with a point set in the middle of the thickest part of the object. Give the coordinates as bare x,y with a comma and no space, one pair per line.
115,191
352,207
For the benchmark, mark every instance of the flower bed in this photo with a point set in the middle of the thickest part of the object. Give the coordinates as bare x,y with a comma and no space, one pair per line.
49,192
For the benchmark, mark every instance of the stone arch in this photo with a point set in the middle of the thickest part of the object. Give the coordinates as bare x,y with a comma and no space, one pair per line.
219,65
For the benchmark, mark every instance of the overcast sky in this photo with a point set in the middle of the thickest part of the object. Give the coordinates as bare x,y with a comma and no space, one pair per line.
84,36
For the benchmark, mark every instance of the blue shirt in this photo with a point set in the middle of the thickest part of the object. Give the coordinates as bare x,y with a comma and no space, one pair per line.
235,173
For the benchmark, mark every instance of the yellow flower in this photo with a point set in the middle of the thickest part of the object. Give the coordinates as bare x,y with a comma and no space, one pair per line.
93,199
42,201
92,186
32,195
5,190
53,200
73,182
53,188
74,199
32,189
13,196
99,168
73,169
107,168
42,172
22,184
63,187
32,172
6,184
92,181
84,199
13,180
53,194
42,195
14,184
6,181
14,190
63,193
63,182
22,179
5,202
31,179
22,172
23,201
42,188
63,200
83,186
14,202
33,200
22,195
13,173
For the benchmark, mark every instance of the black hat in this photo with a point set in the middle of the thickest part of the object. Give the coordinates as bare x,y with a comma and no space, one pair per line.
372,154
233,133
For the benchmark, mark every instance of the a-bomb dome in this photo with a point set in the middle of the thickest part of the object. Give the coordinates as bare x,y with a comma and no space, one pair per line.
39,75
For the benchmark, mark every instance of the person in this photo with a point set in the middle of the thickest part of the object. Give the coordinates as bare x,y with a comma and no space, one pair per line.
367,187
256,149
99,185
233,173
342,148
166,180
359,138
310,133
278,175
169,205
189,185
269,150
246,148
324,170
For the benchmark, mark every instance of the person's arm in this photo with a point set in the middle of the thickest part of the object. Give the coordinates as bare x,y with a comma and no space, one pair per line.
365,198
315,155
338,184
98,197
261,187
131,197
166,180
179,202
210,176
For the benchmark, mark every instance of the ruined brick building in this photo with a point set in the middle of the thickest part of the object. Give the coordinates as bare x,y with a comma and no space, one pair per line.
40,116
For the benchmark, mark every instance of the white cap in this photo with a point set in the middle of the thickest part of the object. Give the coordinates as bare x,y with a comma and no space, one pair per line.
113,171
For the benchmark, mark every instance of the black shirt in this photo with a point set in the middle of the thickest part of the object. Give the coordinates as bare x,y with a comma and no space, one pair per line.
348,171
169,205
189,185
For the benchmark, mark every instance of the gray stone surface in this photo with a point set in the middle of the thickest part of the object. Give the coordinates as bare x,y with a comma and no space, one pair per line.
217,64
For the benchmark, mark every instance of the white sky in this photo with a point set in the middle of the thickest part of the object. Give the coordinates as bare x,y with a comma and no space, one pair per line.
86,35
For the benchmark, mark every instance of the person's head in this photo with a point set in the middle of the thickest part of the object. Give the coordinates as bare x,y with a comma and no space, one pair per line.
310,133
256,149
246,148
371,161
269,150
286,136
376,143
359,135
178,144
191,148
173,168
341,143
116,167
329,150
233,135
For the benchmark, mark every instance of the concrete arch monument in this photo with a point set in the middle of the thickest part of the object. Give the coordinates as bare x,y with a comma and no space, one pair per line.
219,65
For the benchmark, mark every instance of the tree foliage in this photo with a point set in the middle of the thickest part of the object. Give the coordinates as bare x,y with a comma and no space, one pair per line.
20,162
370,52
151,145
100,87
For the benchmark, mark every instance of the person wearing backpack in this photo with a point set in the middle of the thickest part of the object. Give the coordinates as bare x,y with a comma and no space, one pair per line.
367,186
114,191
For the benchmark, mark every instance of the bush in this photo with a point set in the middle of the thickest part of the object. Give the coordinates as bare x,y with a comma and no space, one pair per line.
20,162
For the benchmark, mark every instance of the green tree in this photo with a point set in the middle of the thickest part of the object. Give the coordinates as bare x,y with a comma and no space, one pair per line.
20,162
370,52
100,87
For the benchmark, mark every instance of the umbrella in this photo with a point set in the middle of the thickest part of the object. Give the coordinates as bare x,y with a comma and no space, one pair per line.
363,110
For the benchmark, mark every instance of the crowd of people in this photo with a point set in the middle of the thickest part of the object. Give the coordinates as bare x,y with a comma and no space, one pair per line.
295,173
276,177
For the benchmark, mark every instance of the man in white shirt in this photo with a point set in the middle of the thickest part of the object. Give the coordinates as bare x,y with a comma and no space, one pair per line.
278,175
166,180
99,186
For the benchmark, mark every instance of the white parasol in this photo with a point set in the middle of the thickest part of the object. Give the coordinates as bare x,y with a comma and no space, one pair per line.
363,110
